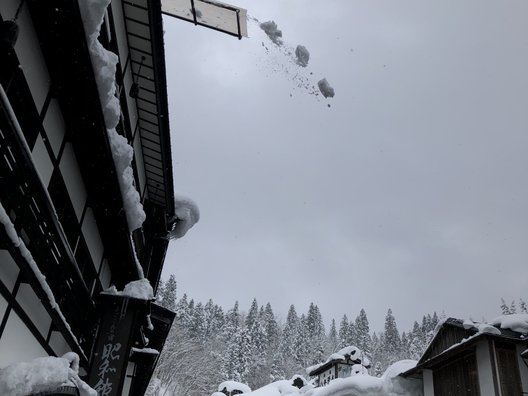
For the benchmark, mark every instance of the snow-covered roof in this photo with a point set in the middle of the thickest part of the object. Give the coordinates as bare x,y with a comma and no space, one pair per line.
349,354
511,327
390,384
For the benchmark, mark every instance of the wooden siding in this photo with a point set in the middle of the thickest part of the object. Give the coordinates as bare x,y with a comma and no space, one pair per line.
508,369
459,377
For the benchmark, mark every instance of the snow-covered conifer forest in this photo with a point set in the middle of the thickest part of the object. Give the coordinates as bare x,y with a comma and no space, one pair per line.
209,344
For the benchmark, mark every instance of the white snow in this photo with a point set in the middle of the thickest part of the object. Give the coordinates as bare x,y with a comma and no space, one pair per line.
230,386
302,55
150,351
390,384
278,388
104,64
481,327
353,352
515,322
325,88
43,374
187,214
218,394
270,28
140,289
13,235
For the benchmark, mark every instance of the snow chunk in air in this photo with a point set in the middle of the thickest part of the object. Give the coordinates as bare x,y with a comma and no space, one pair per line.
325,88
140,289
187,215
515,322
270,28
302,55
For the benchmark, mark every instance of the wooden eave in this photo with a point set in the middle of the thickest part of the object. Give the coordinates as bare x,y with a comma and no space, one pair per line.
144,27
61,34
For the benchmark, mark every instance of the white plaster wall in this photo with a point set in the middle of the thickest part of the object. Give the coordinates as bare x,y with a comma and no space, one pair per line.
485,369
54,126
3,306
523,369
93,239
8,269
428,383
73,180
17,343
58,343
32,306
42,161
105,275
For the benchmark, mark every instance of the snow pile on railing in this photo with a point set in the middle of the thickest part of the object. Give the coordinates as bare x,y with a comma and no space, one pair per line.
104,63
43,374
187,215
140,289
15,239
231,386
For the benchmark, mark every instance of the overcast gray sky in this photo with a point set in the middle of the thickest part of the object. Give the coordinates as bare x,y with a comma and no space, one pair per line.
409,192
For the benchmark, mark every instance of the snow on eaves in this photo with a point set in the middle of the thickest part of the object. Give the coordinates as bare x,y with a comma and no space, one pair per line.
104,64
140,289
187,215
24,251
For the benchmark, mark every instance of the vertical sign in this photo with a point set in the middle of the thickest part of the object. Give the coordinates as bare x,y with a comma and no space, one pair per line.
108,369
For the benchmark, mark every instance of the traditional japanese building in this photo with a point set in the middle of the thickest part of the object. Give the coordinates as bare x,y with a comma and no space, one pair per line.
344,363
466,358
86,186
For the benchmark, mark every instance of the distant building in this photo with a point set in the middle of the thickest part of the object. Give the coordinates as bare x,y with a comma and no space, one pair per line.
344,363
466,358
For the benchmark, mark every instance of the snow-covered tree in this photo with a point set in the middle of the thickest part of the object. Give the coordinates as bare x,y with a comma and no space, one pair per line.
332,343
343,332
522,306
505,310
167,296
392,342
362,330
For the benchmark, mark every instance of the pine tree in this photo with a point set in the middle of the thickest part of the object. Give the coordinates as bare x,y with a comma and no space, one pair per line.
290,334
378,370
513,308
343,332
168,294
332,339
392,343
417,343
272,328
522,306
363,332
505,310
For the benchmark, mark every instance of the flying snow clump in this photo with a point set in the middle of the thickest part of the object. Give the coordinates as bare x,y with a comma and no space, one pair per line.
325,88
270,28
302,55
